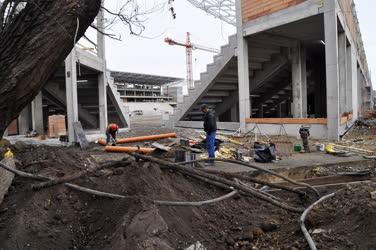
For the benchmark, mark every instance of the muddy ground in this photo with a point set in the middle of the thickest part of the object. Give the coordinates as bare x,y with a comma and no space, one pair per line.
60,218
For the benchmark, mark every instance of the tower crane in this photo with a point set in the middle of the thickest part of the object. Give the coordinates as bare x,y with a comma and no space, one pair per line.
189,46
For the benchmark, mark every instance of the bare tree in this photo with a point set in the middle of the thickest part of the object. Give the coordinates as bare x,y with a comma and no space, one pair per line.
35,38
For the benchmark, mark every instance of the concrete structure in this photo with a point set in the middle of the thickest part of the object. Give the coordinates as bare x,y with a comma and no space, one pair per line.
148,93
82,90
135,87
289,59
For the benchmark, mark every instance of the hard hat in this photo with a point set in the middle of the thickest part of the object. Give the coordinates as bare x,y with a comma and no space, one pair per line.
114,126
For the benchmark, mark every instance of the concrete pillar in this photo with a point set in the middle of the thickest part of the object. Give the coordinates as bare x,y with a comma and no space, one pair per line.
299,82
261,110
24,121
102,78
354,82
243,70
349,78
234,113
342,71
332,75
37,114
279,110
71,88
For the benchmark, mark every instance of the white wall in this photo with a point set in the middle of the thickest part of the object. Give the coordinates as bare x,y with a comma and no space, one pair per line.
317,131
148,107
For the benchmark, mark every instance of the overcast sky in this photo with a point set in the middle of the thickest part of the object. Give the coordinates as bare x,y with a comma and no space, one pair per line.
151,55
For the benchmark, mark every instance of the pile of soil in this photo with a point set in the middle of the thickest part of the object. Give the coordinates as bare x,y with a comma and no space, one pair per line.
61,218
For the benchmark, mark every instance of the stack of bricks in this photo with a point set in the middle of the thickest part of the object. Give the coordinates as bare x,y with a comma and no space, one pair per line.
13,128
56,126
252,9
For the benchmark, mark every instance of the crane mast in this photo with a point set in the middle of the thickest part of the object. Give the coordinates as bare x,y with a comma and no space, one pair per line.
189,46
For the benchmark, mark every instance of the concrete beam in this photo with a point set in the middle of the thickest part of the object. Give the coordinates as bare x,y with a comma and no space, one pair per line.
274,40
243,70
332,68
37,114
294,13
90,60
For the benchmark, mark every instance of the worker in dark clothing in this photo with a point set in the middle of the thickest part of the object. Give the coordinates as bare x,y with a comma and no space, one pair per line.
210,127
111,131
304,134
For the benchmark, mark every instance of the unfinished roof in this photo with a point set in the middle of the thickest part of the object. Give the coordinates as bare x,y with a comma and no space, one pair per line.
222,9
136,78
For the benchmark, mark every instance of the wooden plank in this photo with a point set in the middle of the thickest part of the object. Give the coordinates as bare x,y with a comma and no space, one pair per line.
161,146
323,121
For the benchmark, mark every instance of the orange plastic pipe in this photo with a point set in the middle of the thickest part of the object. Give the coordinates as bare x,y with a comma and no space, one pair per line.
146,138
119,149
140,138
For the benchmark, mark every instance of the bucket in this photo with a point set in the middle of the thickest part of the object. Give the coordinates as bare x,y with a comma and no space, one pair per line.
320,147
297,147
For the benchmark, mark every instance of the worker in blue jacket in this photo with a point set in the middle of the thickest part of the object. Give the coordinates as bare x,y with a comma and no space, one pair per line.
210,127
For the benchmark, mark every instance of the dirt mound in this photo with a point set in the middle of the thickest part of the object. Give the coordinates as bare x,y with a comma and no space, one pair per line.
59,218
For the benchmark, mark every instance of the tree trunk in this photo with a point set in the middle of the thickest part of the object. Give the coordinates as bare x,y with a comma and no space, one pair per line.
34,45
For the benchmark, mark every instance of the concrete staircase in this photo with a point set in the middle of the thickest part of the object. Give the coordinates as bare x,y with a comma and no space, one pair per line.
269,70
117,103
59,97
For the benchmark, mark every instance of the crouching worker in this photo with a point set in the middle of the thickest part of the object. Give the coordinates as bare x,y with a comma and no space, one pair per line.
210,127
111,131
304,134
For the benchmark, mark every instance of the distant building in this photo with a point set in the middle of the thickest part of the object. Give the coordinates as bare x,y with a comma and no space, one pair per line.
134,87
143,92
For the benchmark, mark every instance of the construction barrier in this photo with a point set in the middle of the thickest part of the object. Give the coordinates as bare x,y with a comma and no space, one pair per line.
120,149
141,138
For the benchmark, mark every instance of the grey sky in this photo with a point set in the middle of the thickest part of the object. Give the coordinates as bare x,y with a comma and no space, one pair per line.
153,56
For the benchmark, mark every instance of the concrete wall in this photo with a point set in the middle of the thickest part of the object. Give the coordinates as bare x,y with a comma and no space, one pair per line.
317,131
253,9
149,107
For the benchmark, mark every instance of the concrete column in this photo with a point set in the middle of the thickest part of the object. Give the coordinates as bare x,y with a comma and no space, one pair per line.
243,70
354,82
261,110
37,114
342,71
71,88
332,68
24,121
299,82
234,113
102,78
349,78
279,110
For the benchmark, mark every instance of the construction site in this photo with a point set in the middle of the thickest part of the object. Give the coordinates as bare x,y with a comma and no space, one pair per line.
95,158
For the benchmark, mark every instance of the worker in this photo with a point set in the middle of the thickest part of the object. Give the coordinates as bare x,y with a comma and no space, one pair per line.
210,127
304,134
111,131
